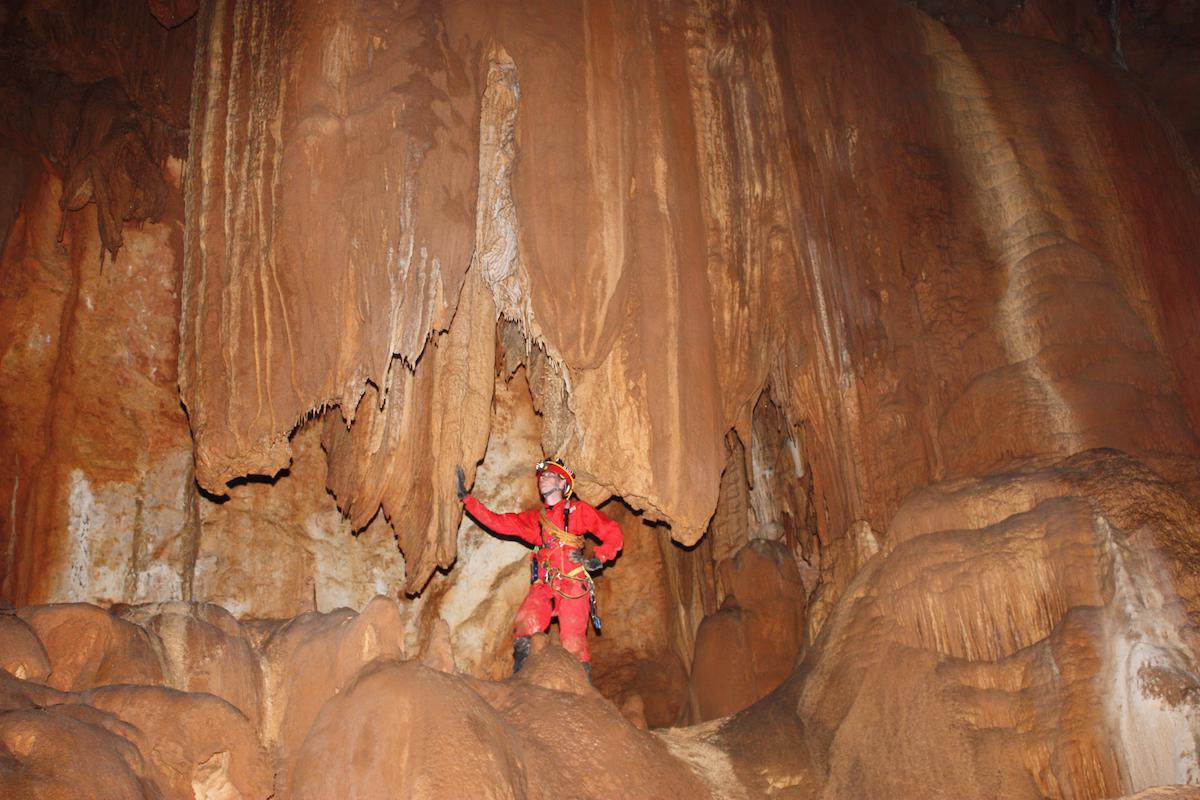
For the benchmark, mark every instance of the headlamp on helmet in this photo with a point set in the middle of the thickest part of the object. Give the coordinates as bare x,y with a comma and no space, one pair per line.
556,466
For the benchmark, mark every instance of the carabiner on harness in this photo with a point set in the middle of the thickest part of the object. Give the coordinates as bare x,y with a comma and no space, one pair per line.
592,610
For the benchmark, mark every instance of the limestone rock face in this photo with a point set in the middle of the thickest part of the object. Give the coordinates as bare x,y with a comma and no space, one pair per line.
890,322
360,145
173,12
750,645
198,745
1154,42
126,741
24,657
574,741
97,456
87,647
636,660
412,732
1025,634
275,548
204,649
342,715
499,152
312,658
640,246
44,749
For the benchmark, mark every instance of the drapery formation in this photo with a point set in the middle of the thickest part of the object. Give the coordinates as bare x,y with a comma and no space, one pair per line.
678,205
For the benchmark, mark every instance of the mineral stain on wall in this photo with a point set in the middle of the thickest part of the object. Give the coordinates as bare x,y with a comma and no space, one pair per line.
874,328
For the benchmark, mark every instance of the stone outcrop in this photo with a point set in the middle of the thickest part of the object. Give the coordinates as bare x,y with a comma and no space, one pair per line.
126,741
24,656
339,713
1015,634
641,660
895,330
312,658
876,331
89,647
1154,42
345,152
96,465
751,644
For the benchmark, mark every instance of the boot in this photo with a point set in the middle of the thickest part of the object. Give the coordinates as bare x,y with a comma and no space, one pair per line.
587,670
520,652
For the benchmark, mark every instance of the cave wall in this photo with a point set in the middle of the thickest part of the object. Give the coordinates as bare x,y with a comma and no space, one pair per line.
97,455
950,279
97,463
911,302
100,500
676,207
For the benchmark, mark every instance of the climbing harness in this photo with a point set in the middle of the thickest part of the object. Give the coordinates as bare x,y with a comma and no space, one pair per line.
558,533
551,574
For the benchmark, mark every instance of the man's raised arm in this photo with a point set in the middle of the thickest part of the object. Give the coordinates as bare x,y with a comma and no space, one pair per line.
523,525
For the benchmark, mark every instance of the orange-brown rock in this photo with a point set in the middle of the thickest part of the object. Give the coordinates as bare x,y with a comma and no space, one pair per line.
196,744
126,741
97,464
71,751
21,652
423,733
1165,793
312,658
96,451
893,328
635,660
88,646
173,12
574,741
110,493
276,548
204,649
409,731
360,139
915,301
1155,42
750,645
1016,633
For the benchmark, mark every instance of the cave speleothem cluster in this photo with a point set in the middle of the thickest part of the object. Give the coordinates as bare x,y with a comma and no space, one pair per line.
875,326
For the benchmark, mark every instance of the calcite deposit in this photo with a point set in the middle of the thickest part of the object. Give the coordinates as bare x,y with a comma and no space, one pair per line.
326,706
969,217
97,459
875,326
1015,632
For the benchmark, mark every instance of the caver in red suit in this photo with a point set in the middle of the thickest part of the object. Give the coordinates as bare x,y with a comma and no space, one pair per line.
560,583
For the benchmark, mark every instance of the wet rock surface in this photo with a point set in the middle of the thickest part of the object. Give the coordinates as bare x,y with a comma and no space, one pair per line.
874,325
1012,621
751,644
342,714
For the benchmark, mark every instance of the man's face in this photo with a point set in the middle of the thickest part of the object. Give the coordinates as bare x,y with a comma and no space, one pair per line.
549,483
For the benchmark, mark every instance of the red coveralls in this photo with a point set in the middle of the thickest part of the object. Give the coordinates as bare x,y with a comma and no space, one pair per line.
569,598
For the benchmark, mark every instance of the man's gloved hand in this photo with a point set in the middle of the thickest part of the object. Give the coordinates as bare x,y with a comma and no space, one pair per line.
460,482
591,564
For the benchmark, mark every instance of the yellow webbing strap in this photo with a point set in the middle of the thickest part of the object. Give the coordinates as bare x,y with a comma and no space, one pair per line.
552,574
